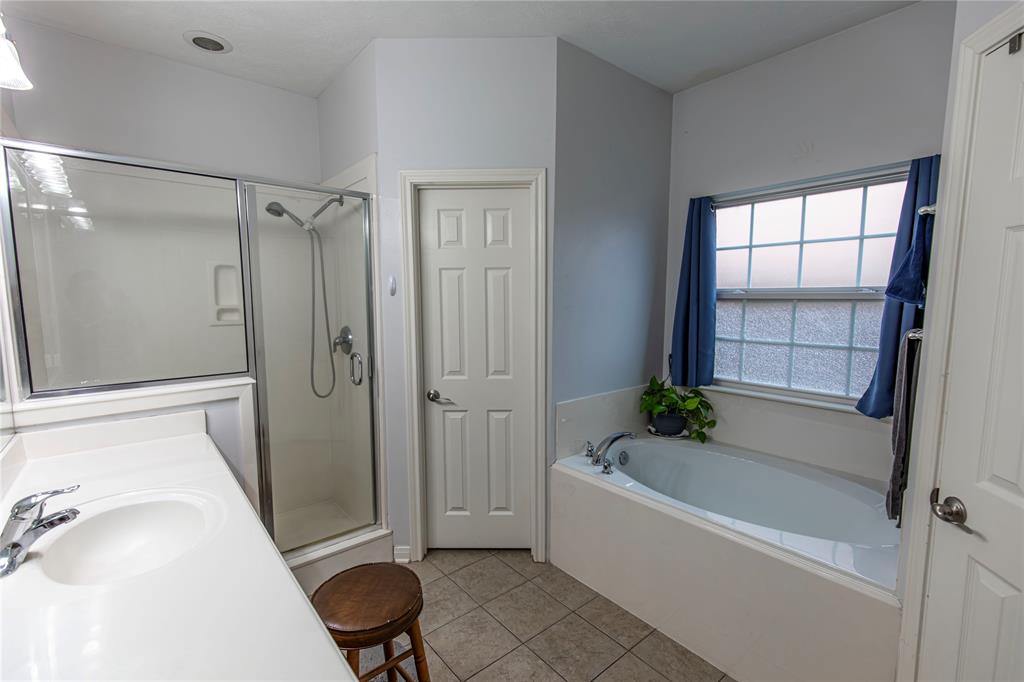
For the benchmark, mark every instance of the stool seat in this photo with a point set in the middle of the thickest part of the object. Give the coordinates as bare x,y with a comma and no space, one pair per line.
370,604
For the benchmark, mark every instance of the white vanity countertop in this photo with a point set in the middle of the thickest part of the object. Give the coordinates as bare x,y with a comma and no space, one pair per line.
225,608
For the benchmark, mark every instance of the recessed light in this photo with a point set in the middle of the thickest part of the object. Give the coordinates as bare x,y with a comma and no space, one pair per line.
207,42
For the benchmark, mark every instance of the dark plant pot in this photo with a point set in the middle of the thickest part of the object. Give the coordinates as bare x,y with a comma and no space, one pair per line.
669,424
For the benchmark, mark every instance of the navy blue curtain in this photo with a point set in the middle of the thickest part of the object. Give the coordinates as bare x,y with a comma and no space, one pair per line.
693,333
908,275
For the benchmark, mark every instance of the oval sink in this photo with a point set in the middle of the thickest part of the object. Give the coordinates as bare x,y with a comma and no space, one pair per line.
125,539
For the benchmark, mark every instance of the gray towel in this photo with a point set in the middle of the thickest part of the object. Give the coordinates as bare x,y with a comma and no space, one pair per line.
902,419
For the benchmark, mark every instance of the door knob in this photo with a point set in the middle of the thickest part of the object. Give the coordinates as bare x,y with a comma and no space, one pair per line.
951,510
434,396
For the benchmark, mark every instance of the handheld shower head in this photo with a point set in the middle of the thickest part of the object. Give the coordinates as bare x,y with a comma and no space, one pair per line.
277,210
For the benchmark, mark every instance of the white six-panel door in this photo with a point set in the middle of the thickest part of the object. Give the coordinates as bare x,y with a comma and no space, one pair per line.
974,611
478,326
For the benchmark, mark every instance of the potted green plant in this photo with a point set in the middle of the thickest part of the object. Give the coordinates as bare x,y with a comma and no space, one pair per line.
673,412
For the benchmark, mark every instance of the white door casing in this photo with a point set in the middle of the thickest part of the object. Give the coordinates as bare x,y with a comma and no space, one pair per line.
973,622
477,332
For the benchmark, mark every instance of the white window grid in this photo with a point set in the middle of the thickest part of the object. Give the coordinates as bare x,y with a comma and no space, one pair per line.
853,295
860,237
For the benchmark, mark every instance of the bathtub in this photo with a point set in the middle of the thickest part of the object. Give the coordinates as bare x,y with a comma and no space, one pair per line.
768,568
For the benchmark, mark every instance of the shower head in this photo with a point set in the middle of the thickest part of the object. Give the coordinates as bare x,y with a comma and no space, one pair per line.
277,210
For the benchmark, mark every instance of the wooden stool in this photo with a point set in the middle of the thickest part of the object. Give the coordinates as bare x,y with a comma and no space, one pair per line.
370,605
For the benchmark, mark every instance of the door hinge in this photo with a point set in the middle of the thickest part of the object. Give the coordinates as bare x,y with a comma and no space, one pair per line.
1015,42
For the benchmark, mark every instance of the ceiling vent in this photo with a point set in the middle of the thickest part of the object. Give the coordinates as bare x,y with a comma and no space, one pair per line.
207,42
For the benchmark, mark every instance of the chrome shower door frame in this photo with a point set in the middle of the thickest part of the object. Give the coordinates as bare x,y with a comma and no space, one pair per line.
250,212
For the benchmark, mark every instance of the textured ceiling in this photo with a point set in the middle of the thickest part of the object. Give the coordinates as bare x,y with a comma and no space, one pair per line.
301,45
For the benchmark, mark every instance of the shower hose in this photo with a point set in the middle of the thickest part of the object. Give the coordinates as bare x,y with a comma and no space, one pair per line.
315,245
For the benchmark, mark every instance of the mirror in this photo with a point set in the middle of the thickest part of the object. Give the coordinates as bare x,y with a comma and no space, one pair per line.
126,274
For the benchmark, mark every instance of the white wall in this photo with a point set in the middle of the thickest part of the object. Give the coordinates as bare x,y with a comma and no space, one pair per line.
612,162
868,96
104,98
464,103
460,103
347,115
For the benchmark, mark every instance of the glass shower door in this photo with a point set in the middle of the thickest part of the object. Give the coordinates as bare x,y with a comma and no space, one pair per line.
313,343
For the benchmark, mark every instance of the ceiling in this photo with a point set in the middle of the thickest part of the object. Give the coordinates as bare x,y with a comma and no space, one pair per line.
301,45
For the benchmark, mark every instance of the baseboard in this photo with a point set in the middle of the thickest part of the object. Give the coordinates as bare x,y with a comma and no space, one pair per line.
401,554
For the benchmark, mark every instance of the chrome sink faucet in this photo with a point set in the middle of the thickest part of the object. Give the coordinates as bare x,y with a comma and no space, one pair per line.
599,457
26,524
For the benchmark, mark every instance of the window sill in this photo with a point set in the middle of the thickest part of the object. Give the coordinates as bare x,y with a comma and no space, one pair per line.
788,397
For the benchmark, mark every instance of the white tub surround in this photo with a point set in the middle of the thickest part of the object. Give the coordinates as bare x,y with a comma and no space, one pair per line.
769,569
595,416
167,572
836,437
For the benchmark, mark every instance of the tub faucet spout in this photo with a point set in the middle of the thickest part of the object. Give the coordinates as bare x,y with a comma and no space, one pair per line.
600,456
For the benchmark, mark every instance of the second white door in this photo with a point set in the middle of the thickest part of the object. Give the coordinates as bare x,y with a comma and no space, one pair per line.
478,289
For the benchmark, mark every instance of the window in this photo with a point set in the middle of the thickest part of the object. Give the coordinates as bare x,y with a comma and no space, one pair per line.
800,285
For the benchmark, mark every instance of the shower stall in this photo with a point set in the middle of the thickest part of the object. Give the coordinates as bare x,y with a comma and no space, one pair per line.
312,314
129,273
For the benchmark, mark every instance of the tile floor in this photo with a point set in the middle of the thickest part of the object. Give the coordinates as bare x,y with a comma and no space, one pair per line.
497,616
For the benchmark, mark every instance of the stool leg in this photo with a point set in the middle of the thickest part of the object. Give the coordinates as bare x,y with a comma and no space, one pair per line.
352,656
419,654
389,653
